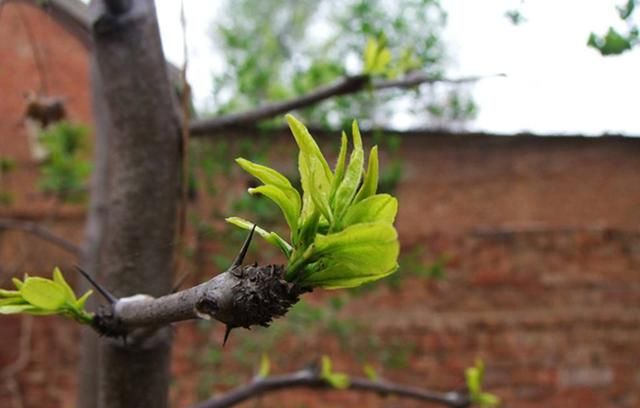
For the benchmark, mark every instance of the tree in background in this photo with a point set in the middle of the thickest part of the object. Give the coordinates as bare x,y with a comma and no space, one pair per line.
280,49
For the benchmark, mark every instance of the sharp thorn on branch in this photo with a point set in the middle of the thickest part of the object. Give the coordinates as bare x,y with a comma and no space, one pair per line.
103,291
227,331
243,251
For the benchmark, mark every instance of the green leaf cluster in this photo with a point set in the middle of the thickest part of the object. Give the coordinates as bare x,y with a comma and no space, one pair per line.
342,232
474,377
378,59
40,296
65,171
615,42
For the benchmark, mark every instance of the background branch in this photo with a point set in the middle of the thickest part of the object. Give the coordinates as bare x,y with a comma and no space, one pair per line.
344,86
310,378
41,232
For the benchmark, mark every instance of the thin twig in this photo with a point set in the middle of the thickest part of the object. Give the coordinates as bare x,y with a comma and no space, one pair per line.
41,232
9,373
309,378
344,86
35,50
184,182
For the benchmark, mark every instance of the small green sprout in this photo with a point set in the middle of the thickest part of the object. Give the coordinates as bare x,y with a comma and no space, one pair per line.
339,381
265,366
475,376
40,296
342,232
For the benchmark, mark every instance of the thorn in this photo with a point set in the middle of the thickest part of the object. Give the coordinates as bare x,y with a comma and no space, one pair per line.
227,331
104,292
243,251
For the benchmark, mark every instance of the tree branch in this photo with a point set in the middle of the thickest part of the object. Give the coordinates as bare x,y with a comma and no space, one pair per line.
241,297
344,86
41,232
310,378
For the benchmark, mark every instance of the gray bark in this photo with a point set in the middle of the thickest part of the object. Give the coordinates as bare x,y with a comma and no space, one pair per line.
244,296
142,188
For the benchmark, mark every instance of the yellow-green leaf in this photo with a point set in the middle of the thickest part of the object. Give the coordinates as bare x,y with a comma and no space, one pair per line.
265,366
370,53
360,253
370,183
59,279
310,161
377,208
270,237
336,380
263,173
16,300
382,61
43,293
17,282
14,309
370,372
286,198
338,173
83,299
347,189
9,293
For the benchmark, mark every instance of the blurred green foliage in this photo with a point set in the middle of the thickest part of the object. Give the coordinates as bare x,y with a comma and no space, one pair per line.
279,49
65,171
615,42
7,165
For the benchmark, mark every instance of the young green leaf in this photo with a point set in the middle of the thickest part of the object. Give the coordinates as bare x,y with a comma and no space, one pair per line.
310,161
360,253
287,203
9,293
79,304
370,372
43,293
59,279
265,174
338,175
17,282
15,309
377,208
370,183
270,237
16,300
338,381
474,377
347,189
370,54
265,366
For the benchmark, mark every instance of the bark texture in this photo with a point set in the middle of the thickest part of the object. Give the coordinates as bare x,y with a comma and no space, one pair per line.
142,188
88,371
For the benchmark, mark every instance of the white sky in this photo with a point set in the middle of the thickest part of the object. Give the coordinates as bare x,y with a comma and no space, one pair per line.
555,83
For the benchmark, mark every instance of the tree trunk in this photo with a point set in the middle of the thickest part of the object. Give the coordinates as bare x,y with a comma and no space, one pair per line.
88,372
142,180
